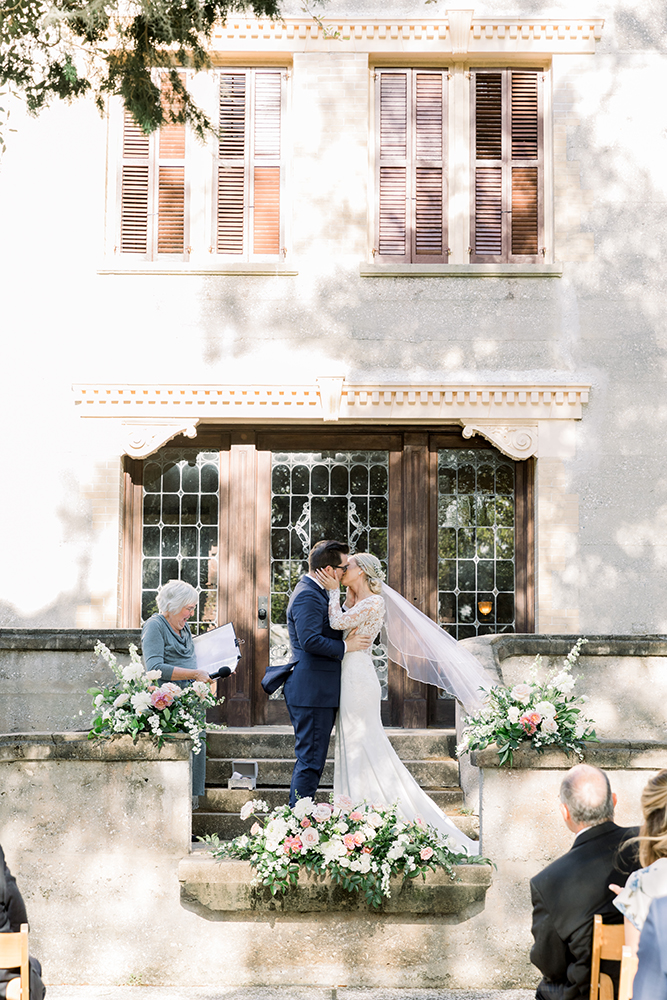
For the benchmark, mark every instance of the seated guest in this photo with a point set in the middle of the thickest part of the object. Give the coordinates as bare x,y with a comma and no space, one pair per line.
651,979
167,646
568,893
650,882
12,915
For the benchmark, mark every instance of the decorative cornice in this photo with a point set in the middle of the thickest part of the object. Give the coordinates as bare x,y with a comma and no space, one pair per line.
459,34
507,415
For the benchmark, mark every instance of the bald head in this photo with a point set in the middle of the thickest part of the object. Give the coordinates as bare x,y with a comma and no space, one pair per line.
586,797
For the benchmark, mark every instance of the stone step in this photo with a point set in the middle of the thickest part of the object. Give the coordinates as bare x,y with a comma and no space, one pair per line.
229,825
278,741
230,800
276,772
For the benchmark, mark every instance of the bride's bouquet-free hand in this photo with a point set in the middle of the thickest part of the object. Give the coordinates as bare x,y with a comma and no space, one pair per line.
137,704
359,847
545,714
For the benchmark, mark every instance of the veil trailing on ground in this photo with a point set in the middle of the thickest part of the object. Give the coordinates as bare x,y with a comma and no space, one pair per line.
431,655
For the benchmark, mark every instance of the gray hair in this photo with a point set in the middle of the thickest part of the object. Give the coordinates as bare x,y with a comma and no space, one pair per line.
174,595
372,568
586,792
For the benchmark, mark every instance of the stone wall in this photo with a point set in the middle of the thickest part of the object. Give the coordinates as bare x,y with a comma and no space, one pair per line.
99,833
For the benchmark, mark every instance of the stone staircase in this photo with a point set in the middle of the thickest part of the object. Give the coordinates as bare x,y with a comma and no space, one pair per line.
427,753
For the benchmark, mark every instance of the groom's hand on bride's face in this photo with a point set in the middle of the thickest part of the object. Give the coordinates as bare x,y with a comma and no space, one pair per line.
328,578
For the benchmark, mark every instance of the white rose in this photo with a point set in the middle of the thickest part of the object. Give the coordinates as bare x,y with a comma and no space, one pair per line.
563,682
122,699
521,693
549,726
132,672
546,709
98,700
141,702
322,812
341,827
154,675
246,810
375,820
303,808
310,836
513,714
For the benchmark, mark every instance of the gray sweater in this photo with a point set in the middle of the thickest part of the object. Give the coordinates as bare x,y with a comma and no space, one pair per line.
163,649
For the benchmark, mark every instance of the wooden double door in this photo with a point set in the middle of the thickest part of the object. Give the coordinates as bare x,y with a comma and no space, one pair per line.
236,513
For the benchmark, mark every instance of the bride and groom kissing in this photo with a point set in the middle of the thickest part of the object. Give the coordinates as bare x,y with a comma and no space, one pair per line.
331,679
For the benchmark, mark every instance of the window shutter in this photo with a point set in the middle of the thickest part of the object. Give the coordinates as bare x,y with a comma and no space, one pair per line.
134,188
250,163
507,212
411,192
171,181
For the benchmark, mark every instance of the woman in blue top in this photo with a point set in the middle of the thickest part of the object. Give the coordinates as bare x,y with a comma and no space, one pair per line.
167,646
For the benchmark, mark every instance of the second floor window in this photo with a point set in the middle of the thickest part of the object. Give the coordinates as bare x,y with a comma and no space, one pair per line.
411,179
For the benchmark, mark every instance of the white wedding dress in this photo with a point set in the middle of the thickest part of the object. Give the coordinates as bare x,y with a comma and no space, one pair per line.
367,768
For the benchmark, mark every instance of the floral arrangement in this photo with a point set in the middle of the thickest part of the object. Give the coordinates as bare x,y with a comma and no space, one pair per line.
543,715
136,704
358,847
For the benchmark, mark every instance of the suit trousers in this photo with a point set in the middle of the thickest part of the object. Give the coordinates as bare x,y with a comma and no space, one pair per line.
312,731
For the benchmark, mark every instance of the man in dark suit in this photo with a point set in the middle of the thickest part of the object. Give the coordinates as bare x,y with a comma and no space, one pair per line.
312,689
12,915
569,892
651,979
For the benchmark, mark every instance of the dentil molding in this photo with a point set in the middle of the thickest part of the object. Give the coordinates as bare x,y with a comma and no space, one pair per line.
509,416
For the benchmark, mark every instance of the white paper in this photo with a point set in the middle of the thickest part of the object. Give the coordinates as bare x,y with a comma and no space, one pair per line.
216,649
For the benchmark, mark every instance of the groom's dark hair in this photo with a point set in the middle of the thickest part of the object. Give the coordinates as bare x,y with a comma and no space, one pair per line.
326,554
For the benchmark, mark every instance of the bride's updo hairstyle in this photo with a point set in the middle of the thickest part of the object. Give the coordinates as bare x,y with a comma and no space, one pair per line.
371,567
653,831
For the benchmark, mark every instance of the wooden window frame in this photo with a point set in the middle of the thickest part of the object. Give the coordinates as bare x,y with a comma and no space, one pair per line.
249,163
506,164
411,164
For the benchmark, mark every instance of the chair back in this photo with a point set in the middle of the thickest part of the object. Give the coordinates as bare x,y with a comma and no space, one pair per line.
608,942
14,955
628,972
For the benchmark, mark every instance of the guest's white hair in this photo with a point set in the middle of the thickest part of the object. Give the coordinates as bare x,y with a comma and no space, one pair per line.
174,595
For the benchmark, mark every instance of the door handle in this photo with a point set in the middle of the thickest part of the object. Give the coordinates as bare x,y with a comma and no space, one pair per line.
262,612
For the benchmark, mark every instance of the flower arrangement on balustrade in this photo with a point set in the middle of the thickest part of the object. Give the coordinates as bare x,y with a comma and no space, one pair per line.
136,704
359,847
542,715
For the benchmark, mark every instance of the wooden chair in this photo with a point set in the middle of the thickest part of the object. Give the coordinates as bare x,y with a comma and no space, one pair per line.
628,971
608,942
14,955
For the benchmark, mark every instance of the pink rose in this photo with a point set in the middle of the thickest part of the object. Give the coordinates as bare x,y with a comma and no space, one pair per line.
359,838
529,722
310,837
292,844
161,699
349,841
356,816
426,853
305,822
255,829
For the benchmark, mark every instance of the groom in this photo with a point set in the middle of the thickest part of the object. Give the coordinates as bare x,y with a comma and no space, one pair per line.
312,690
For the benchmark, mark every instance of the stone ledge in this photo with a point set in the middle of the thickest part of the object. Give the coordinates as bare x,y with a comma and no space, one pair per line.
77,746
68,639
224,887
611,755
504,646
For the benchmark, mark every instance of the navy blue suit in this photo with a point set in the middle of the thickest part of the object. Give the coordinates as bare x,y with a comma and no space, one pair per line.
312,690
651,979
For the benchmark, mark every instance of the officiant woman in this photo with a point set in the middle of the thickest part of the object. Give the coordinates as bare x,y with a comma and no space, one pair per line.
167,646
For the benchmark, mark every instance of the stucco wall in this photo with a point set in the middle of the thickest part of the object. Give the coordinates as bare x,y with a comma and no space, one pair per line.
602,496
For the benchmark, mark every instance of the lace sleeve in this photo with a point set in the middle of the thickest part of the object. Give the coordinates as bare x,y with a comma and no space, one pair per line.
368,613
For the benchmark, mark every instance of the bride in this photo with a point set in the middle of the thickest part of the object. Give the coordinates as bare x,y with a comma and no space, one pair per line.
366,765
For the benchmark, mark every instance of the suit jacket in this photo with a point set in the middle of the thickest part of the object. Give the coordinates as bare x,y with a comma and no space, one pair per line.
651,979
317,649
12,907
567,894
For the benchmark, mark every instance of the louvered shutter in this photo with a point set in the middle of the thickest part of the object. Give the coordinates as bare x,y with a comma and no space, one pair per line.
411,179
507,208
170,236
134,188
249,171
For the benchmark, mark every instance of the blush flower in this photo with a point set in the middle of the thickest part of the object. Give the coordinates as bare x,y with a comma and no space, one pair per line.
356,816
521,693
322,812
305,823
349,841
161,699
255,829
426,853
343,802
310,837
549,726
247,810
530,721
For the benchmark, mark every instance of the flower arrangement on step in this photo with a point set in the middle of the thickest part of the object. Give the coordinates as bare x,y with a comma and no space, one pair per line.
137,704
359,847
541,715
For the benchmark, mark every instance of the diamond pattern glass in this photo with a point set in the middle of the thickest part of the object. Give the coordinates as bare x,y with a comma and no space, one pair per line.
317,495
475,542
181,499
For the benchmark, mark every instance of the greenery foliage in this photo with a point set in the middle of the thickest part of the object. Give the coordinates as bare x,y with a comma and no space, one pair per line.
545,714
359,847
66,48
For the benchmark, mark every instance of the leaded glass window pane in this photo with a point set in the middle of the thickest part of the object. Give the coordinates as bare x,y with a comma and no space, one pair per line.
181,502
475,542
318,495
